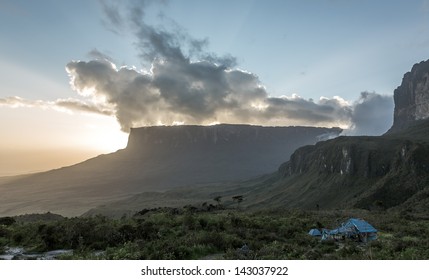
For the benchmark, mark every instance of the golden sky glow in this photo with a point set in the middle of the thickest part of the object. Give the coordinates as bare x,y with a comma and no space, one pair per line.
34,139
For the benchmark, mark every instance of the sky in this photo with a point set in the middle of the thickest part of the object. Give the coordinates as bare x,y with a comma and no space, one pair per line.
75,76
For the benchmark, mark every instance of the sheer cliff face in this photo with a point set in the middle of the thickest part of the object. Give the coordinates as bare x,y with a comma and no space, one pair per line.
198,154
361,172
412,97
238,138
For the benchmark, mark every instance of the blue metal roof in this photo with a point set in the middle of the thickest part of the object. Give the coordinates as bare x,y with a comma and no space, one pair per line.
315,232
361,225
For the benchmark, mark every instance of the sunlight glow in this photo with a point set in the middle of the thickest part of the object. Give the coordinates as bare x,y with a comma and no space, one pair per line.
105,137
259,106
178,123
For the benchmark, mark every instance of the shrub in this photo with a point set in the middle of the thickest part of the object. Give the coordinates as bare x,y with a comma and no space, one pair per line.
200,250
128,251
273,251
327,247
7,221
4,232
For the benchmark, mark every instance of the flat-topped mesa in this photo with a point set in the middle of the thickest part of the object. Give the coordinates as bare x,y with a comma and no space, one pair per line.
412,97
202,154
175,136
195,136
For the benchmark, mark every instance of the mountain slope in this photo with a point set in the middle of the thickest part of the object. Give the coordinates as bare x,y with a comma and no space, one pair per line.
158,158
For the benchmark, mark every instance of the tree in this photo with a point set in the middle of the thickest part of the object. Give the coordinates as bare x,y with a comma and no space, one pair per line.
218,199
238,199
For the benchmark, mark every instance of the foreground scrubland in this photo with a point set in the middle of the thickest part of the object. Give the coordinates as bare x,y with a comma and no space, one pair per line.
193,233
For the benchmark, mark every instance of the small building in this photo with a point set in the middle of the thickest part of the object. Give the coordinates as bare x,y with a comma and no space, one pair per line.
357,229
315,232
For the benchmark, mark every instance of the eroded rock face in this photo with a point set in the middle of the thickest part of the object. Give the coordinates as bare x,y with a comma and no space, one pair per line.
412,97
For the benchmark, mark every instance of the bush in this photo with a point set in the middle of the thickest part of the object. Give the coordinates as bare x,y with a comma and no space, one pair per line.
4,232
7,221
351,251
327,247
128,251
273,251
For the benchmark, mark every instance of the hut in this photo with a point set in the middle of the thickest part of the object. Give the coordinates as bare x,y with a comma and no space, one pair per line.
315,232
353,228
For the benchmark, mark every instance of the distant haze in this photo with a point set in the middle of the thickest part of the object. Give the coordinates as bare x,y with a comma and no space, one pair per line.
23,161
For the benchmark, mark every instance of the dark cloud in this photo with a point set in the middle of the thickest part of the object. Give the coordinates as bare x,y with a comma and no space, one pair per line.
158,42
197,93
113,19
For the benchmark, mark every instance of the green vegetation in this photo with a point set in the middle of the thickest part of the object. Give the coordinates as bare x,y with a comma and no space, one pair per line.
190,233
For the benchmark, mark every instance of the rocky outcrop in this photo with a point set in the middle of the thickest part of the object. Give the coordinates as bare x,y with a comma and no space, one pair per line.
361,170
412,97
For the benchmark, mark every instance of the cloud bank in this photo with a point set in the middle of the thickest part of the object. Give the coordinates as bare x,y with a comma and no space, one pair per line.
372,114
201,92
